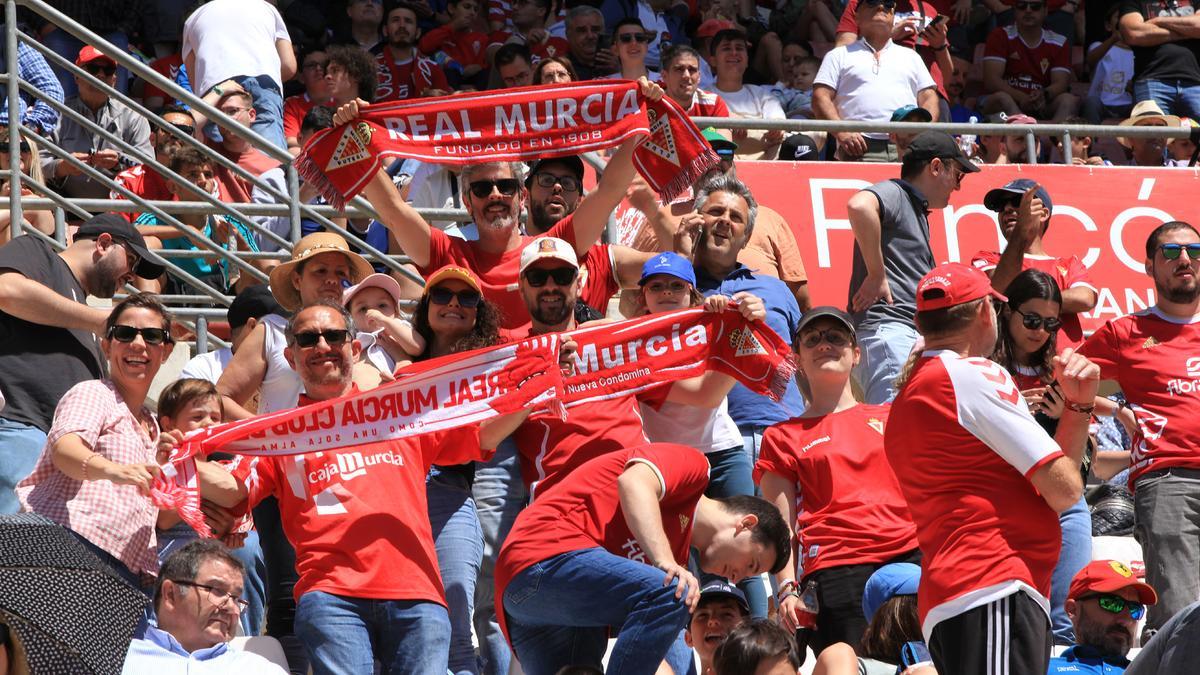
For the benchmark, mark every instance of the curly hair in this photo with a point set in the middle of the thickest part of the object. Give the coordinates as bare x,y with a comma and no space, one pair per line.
485,332
1026,286
360,68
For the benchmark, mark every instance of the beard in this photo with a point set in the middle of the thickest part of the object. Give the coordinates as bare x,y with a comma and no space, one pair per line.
552,316
502,222
1185,293
541,219
105,276
1112,640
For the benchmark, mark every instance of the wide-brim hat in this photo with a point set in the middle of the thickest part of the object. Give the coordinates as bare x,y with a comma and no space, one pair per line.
312,245
1143,112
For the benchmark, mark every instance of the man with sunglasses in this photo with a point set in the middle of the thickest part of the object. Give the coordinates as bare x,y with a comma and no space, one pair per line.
94,150
1024,209
50,342
1105,603
1027,67
197,602
145,181
1152,355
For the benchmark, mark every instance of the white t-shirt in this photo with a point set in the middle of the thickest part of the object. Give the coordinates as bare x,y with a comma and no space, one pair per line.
871,90
706,429
281,385
232,38
1112,76
207,366
752,100
653,22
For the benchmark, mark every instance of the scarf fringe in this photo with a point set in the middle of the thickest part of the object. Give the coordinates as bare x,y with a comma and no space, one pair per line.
311,174
781,377
689,175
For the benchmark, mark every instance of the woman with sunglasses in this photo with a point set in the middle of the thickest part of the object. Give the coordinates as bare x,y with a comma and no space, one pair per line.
630,44
1026,342
31,164
453,316
99,462
851,517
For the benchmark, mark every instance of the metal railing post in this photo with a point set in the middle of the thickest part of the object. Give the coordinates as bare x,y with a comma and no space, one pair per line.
1031,149
201,335
293,183
14,117
1066,147
60,225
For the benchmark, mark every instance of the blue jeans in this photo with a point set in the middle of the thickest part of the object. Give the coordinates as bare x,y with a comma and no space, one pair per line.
499,497
20,448
67,46
268,108
885,348
459,543
1076,553
344,636
254,589
1173,96
560,610
731,472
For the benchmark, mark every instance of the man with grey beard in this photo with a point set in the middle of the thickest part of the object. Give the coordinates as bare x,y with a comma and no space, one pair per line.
1153,356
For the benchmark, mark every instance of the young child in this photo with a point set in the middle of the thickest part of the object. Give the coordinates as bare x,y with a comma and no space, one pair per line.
1181,149
1111,63
795,91
388,340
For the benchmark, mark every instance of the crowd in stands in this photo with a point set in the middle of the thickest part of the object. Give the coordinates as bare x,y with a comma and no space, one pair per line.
913,502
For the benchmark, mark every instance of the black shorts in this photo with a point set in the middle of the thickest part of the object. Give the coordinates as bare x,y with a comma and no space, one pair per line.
1010,636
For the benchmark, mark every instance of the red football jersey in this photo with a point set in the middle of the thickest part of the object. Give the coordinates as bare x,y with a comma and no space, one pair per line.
850,509
467,48
585,512
1028,67
553,46
358,516
1156,360
408,79
963,444
1067,273
144,182
168,67
294,110
497,273
707,104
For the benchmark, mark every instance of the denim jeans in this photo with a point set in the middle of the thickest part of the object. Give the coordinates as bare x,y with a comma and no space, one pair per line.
560,610
499,497
67,46
1076,553
281,579
459,543
731,472
268,108
345,636
254,589
885,349
1173,96
1167,506
20,448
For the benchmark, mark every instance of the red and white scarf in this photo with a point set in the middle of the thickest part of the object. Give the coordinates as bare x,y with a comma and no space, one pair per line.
524,123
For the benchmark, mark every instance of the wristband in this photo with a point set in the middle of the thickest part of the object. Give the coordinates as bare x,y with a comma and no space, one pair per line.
1080,408
87,460
784,596
790,584
218,91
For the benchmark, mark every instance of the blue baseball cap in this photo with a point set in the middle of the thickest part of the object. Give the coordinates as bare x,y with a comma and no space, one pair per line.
905,110
668,263
886,583
720,588
995,199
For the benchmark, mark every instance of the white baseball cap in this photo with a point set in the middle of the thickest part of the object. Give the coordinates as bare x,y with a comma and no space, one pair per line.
544,248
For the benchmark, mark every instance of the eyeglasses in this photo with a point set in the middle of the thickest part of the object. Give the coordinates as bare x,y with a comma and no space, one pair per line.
152,336
467,298
889,5
1115,604
834,336
25,149
1173,251
316,65
563,276
185,128
232,112
1034,321
547,180
1029,6
627,38
101,71
333,337
483,188
217,595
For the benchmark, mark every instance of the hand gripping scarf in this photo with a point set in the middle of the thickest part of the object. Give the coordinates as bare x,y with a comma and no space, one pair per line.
526,123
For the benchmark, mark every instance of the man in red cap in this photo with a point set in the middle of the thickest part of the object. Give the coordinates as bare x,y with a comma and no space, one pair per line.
984,482
1105,603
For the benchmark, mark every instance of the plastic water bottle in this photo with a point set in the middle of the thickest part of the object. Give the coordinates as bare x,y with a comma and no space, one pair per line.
966,142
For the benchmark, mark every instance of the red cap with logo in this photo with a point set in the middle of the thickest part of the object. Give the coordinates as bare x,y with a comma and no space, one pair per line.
89,54
1106,576
952,284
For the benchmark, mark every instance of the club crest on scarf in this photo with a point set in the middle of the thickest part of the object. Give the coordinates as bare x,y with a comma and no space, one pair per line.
352,148
661,141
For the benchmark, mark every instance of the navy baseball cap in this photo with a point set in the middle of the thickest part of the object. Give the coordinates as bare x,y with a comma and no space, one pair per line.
886,583
723,589
995,199
668,263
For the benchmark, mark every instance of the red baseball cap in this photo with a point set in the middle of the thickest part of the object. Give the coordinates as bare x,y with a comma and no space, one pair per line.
89,54
952,284
713,26
1106,576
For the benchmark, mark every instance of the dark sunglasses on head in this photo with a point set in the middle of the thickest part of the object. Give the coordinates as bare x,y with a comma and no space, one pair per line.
1173,251
835,337
332,337
152,336
1029,6
626,38
468,297
563,276
1034,321
889,5
97,71
1115,604
483,188
24,148
547,180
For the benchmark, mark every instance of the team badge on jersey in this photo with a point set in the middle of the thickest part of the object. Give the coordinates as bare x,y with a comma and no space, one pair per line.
1150,342
876,424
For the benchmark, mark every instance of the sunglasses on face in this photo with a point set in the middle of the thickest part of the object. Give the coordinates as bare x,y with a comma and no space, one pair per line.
152,336
1034,321
547,180
333,337
563,276
4,148
1029,6
507,187
834,336
627,38
1173,251
1115,604
185,128
467,298
889,5
101,71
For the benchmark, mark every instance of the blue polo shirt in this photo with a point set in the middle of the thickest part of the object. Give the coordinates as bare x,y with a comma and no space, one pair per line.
1087,659
783,316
